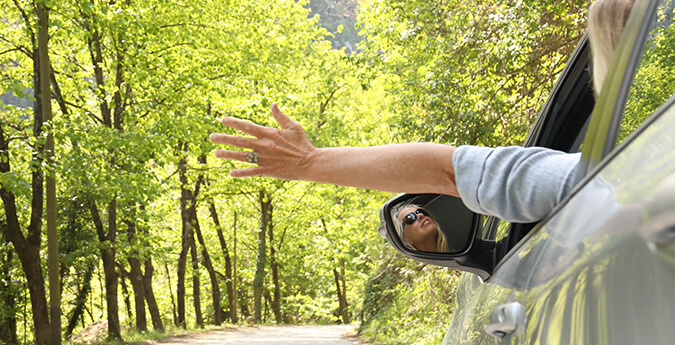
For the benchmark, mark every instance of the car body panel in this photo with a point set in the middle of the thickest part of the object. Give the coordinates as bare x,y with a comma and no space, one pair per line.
590,272
597,280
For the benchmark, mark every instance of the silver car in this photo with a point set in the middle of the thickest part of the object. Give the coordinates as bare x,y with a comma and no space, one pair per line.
600,268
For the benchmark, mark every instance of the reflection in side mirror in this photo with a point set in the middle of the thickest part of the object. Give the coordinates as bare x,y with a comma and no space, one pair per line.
431,223
437,229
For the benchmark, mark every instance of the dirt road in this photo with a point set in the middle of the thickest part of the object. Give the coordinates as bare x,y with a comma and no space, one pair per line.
281,335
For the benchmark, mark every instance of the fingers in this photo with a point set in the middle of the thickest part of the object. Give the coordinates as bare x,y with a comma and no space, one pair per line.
244,126
257,130
281,118
235,140
249,172
241,156
279,150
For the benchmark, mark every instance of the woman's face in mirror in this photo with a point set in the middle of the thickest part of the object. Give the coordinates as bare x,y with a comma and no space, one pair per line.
422,232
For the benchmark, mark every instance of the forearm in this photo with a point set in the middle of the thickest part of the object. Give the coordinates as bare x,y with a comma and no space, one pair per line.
404,168
288,154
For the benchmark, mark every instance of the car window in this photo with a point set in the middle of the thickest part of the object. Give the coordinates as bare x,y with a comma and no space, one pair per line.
561,125
654,79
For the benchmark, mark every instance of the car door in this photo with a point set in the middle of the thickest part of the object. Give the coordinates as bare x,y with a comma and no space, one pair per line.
607,273
536,281
602,263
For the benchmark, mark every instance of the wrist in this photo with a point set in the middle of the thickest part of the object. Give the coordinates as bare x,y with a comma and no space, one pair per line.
307,164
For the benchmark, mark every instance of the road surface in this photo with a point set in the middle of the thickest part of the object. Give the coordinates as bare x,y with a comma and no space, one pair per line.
281,335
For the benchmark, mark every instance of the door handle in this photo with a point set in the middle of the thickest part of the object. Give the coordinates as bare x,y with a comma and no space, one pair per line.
506,320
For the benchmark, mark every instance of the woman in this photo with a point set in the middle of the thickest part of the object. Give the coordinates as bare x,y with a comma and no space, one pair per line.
513,183
418,229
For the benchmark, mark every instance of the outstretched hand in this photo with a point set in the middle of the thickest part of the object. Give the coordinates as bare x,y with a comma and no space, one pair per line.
283,153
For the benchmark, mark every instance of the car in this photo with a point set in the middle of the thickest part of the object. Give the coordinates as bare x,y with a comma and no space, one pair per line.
600,267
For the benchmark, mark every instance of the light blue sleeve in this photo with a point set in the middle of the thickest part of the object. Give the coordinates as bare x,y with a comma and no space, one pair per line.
516,184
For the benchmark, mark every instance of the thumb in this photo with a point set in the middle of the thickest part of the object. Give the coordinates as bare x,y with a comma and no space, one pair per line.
281,118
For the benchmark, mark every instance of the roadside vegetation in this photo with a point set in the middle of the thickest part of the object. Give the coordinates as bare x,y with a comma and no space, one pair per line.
155,238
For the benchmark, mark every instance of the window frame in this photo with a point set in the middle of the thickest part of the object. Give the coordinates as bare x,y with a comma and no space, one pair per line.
604,122
606,118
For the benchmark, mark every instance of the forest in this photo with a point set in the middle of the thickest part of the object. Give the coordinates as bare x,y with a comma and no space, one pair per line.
115,210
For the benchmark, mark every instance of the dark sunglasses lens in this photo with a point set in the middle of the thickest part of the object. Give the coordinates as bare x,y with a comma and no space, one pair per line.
409,218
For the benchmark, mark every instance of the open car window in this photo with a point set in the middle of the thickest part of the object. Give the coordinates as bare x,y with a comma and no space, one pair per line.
654,78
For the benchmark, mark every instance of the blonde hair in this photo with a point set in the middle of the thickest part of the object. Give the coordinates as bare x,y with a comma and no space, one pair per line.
606,20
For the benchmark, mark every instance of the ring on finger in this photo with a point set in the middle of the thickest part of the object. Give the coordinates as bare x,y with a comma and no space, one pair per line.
252,157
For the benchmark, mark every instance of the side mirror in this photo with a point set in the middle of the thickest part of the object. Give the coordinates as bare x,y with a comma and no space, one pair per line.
438,229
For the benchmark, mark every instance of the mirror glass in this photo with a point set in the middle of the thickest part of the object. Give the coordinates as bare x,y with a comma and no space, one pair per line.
432,223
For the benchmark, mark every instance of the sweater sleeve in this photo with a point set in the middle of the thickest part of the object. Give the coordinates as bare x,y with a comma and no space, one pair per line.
516,184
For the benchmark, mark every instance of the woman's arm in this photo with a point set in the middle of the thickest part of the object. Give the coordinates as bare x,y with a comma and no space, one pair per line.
288,154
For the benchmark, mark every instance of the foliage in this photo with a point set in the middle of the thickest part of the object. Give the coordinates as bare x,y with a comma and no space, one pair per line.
469,72
408,303
138,86
656,68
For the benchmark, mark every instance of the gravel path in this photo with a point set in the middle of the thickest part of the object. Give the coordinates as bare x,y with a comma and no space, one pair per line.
281,335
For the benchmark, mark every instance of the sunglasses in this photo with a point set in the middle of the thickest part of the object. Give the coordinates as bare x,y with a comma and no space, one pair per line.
411,217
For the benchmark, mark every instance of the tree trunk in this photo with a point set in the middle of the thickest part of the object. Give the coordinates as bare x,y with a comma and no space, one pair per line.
185,242
341,288
108,256
258,280
80,300
340,285
188,204
276,300
8,294
173,300
125,296
111,113
229,279
29,256
215,287
136,278
180,286
235,287
196,285
157,324
345,311
52,231
28,248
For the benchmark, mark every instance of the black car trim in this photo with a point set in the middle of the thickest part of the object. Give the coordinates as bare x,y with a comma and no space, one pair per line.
577,69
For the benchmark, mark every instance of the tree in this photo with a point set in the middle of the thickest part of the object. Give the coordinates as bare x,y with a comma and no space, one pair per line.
261,261
470,72
230,273
138,86
23,49
9,294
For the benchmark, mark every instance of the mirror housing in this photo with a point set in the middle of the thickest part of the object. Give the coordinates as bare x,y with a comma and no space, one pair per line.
466,250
